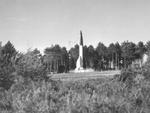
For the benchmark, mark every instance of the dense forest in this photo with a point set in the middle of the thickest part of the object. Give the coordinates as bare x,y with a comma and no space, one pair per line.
57,59
118,55
25,87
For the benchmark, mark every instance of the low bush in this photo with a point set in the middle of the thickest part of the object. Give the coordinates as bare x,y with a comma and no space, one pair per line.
125,93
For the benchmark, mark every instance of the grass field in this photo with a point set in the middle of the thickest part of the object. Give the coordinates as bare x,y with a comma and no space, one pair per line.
84,75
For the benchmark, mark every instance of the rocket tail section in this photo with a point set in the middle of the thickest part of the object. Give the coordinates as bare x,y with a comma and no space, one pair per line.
79,64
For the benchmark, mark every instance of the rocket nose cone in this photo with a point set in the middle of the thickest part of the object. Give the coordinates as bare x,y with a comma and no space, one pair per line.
81,38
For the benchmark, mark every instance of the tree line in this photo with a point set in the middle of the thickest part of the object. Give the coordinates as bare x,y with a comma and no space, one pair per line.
57,59
115,56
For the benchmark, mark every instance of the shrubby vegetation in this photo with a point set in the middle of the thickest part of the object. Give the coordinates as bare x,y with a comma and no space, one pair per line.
31,65
7,53
125,93
105,95
25,88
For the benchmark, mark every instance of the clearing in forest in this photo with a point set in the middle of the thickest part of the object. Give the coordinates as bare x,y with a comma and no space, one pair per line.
84,75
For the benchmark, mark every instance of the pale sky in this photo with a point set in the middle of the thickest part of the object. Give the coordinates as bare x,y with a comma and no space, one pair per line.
41,23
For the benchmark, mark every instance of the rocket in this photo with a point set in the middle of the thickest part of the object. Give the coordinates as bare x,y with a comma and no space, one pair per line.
79,64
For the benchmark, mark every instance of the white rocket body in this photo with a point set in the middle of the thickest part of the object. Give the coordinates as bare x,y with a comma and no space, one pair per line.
79,64
81,51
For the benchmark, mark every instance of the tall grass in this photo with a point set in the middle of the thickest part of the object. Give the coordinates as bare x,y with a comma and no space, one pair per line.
123,94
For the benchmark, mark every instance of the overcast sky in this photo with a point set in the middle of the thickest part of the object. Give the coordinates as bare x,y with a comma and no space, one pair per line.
41,23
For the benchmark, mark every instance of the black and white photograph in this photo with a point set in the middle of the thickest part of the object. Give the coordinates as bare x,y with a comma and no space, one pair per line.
74,56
